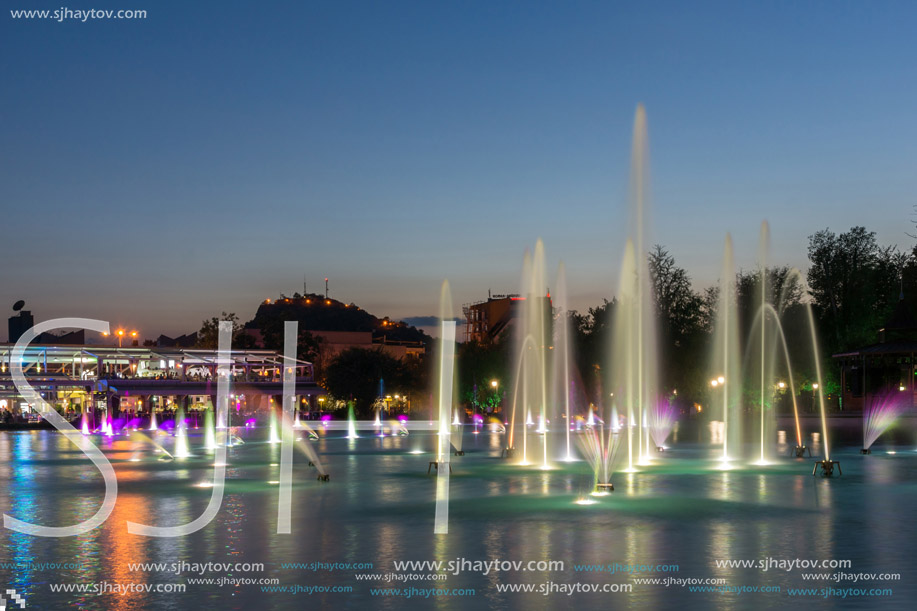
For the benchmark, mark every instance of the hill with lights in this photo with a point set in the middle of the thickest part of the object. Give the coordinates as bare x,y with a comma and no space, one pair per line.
317,313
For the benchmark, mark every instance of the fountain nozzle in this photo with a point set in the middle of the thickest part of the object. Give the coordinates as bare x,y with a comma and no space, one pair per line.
801,451
827,467
865,451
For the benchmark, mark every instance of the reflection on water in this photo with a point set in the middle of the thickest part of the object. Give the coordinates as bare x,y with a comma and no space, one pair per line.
378,508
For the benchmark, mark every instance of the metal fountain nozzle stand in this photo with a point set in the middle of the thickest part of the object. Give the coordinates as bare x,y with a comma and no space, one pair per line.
801,451
324,478
434,464
508,452
660,449
827,467
866,451
609,487
459,453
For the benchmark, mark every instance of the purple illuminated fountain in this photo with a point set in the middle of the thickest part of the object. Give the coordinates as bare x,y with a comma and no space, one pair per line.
878,416
661,421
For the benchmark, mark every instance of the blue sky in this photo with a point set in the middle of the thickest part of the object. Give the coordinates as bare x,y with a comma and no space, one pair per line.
156,172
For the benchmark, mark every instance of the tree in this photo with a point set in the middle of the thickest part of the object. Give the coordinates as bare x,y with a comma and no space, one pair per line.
854,284
356,373
478,363
591,344
208,335
308,346
683,325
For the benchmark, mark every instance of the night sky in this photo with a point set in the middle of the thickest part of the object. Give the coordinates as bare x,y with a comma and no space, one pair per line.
156,172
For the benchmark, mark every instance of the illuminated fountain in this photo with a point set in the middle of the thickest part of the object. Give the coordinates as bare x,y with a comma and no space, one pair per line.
766,353
210,442
140,437
562,377
274,436
878,416
661,421
827,465
181,435
351,422
533,341
726,381
457,435
599,449
634,364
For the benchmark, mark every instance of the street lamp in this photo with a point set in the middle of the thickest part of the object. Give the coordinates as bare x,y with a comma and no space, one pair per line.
494,384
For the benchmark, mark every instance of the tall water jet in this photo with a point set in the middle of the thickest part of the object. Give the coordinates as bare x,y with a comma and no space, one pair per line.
446,389
562,378
878,415
537,321
634,362
84,425
533,339
624,369
762,295
725,383
153,425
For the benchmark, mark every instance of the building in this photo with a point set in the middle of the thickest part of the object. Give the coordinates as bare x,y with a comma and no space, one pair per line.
109,380
486,320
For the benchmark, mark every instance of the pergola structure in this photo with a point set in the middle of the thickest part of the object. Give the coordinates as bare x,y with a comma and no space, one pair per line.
884,368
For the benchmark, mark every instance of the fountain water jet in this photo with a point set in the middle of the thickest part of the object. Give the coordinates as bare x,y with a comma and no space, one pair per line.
726,384
634,374
351,422
181,435
563,379
662,419
446,389
210,441
879,415
599,450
